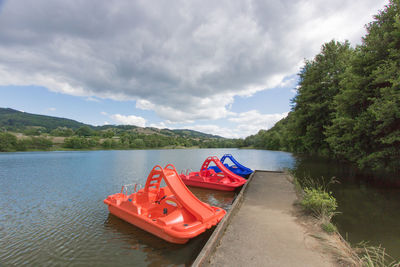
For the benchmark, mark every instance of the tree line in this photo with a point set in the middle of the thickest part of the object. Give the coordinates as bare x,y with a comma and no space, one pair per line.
38,138
348,101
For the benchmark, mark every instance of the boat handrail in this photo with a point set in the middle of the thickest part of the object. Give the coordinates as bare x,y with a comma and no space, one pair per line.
187,171
136,187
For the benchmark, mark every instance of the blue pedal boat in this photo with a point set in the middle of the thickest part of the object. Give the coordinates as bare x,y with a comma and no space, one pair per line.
236,167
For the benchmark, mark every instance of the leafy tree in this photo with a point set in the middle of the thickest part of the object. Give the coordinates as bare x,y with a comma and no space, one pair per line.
84,131
366,125
108,134
138,143
109,143
76,142
41,143
319,84
62,131
7,142
33,131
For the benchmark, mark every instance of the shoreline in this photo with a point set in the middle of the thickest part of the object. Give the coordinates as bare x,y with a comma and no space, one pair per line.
277,229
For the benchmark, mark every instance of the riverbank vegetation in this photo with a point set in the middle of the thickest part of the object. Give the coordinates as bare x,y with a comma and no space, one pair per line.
348,101
316,199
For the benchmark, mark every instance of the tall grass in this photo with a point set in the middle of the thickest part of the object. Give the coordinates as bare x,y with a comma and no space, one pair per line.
374,256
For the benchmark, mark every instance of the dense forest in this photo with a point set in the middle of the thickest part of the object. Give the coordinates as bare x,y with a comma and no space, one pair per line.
21,131
348,101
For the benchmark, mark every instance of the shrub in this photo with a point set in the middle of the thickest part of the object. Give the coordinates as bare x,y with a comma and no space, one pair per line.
319,202
41,143
328,227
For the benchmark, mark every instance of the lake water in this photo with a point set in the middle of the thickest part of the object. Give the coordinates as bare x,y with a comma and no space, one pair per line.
52,211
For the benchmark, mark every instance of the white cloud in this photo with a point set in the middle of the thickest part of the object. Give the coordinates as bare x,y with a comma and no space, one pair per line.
184,60
52,109
129,120
242,124
252,121
144,104
214,129
160,125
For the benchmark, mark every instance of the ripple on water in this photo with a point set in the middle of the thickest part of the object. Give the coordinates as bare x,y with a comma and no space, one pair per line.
52,210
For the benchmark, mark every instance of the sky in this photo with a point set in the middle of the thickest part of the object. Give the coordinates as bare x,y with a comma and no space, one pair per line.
221,67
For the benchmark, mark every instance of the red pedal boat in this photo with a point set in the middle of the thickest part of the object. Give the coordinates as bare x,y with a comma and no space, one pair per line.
208,178
172,212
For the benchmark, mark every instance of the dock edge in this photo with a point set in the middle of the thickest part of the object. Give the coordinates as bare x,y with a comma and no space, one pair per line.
205,254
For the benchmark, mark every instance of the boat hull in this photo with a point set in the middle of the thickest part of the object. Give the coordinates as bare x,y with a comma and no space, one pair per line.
208,185
145,225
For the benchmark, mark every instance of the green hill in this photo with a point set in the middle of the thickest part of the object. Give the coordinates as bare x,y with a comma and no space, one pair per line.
14,120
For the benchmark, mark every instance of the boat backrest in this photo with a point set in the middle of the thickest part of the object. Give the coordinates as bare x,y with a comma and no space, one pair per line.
207,162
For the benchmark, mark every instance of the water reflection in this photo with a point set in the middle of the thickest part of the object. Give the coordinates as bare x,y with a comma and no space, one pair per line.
153,251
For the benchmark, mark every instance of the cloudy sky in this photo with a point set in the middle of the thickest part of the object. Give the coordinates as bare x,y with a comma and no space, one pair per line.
221,67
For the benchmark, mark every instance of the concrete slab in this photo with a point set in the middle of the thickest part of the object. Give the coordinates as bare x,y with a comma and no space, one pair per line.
264,231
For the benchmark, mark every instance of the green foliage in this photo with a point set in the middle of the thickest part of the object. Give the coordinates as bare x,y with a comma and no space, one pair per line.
138,143
7,142
110,144
348,101
84,131
319,83
76,142
108,133
16,120
319,202
328,227
40,143
366,123
62,131
34,131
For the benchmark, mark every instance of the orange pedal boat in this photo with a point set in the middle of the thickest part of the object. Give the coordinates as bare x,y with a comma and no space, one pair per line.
172,212
208,178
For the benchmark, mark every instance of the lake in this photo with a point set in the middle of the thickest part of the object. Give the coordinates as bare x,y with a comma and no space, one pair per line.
52,210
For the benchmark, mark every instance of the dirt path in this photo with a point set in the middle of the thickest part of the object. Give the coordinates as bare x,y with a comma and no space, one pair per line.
264,231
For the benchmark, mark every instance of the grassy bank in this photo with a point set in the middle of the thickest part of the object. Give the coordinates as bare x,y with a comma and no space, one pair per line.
316,200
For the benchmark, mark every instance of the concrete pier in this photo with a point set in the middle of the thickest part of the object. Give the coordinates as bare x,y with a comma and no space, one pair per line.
262,230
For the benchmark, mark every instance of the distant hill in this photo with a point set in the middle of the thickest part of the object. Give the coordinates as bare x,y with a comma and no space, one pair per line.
11,118
15,120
